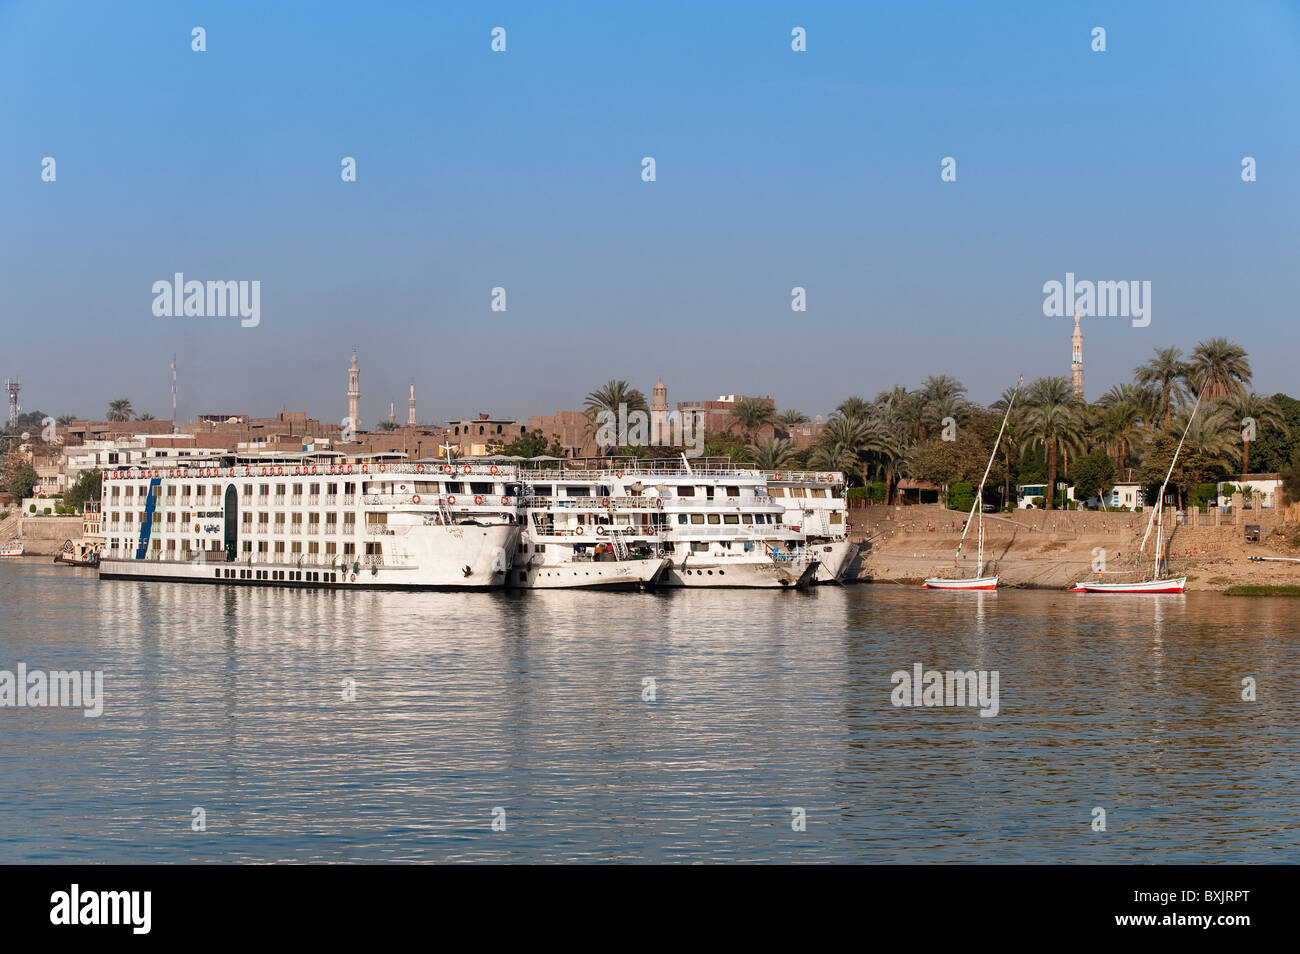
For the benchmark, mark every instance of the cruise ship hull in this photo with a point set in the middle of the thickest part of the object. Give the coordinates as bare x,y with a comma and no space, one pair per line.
456,557
753,574
620,574
834,558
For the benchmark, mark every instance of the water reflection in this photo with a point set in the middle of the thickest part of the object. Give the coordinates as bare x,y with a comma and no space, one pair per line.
232,700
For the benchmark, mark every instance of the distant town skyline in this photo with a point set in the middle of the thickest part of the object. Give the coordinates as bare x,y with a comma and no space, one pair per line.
821,170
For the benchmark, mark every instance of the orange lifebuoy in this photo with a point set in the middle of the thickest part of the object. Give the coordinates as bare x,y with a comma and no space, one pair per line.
383,467
659,503
466,468
778,475
349,468
451,499
492,469
578,531
419,468
478,501
331,470
415,499
600,531
505,501
279,472
618,474
446,468
604,501
365,468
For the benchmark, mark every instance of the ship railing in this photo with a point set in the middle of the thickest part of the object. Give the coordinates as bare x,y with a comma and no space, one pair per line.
456,501
718,502
735,531
804,477
591,534
497,471
592,503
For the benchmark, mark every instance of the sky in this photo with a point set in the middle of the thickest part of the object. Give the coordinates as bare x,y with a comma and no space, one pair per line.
522,170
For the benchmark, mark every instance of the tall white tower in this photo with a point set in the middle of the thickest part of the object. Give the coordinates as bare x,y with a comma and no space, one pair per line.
659,414
410,414
354,393
1076,360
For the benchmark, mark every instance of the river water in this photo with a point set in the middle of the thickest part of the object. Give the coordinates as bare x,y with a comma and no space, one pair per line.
532,710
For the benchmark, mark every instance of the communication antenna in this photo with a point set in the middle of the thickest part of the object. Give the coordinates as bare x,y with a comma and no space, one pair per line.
13,386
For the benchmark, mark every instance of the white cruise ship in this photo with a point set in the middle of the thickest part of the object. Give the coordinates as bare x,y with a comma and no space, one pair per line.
312,520
716,524
815,504
576,532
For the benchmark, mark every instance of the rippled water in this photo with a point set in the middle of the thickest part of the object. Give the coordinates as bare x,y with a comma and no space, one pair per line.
232,700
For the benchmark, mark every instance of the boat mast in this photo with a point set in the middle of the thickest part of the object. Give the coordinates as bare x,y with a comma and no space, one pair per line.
979,494
1160,500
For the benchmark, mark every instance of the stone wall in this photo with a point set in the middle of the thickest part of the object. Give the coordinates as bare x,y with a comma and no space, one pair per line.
44,536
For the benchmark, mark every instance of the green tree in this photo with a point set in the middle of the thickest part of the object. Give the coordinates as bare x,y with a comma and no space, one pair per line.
120,410
1093,474
86,488
1219,369
752,415
22,481
1166,372
772,453
1247,407
792,417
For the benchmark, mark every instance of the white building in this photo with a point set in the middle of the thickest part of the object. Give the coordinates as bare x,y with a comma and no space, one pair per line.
1268,485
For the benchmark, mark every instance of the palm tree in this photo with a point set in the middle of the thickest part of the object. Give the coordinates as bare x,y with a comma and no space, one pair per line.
65,419
772,453
1263,411
752,415
792,417
1220,367
145,417
1057,427
611,401
613,395
854,407
1166,371
120,410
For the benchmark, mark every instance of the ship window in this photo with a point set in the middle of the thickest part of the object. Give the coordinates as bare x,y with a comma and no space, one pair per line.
699,517
480,488
700,546
733,491
708,492
837,518
681,518
821,492
686,491
748,518
577,491
713,518
776,491
730,518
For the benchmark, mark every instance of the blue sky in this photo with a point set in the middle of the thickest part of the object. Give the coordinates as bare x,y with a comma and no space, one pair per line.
522,170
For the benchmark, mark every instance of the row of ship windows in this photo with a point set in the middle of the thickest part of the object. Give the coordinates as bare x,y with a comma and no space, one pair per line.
195,547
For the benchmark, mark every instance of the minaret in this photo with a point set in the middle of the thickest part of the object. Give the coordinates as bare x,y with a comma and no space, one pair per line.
410,414
354,393
1076,360
659,414
392,419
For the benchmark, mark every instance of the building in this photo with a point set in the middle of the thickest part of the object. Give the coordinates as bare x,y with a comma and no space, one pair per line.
1269,487
715,417
1125,496
1076,360
471,438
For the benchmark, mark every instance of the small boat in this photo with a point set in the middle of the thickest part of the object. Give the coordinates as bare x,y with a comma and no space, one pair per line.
1156,584
14,548
1149,586
72,555
979,581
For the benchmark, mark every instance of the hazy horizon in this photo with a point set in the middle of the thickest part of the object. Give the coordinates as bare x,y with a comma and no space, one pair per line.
522,170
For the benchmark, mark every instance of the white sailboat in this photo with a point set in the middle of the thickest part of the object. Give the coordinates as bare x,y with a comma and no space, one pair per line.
1156,584
979,581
